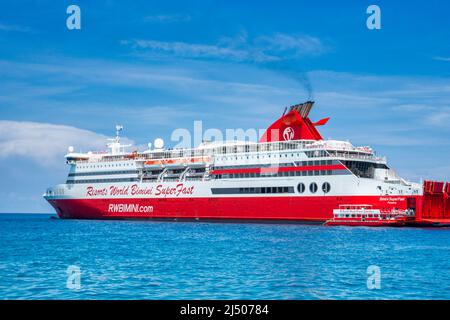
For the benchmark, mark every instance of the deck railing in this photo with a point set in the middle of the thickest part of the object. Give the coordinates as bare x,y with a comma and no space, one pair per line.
231,149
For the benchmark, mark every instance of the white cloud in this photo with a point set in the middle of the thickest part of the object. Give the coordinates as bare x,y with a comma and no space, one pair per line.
14,28
294,46
168,18
412,107
196,80
190,50
44,142
439,118
447,59
267,48
395,92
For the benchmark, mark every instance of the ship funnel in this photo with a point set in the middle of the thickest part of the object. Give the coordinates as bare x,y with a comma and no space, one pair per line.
294,125
302,108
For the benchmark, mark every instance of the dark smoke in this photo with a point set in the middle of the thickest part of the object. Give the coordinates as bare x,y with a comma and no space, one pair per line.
294,71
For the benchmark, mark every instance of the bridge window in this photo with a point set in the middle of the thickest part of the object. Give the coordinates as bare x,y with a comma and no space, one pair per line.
363,169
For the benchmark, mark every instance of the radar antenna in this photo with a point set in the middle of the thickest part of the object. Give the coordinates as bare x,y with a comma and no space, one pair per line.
119,129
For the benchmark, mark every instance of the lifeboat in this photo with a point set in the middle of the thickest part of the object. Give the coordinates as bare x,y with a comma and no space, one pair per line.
133,155
178,162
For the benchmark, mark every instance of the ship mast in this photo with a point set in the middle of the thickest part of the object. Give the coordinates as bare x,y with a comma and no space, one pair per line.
115,145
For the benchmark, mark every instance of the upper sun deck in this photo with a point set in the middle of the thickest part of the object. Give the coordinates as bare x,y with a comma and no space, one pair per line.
312,148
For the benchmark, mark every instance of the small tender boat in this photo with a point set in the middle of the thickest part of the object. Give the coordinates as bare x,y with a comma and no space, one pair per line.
364,215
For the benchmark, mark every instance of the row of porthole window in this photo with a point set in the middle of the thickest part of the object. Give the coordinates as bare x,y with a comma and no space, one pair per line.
101,180
257,157
105,165
97,173
326,187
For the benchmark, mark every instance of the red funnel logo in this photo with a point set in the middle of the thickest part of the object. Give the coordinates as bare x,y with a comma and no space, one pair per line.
288,134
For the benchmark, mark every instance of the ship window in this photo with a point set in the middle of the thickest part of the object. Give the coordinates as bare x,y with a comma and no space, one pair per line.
313,187
301,188
326,187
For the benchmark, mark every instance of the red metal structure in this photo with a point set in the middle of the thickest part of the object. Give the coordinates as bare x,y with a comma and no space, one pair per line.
295,125
435,207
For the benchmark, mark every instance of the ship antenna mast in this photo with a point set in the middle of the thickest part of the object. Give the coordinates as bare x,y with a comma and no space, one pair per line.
119,129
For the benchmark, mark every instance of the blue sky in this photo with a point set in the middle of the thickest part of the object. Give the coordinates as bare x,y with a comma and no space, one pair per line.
155,66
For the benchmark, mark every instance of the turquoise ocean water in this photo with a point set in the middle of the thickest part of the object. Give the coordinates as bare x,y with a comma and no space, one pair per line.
186,260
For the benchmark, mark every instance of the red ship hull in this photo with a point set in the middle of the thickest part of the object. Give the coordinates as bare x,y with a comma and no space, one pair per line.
301,209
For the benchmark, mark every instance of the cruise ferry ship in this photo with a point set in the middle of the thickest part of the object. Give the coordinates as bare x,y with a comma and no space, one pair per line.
292,174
